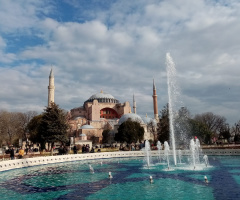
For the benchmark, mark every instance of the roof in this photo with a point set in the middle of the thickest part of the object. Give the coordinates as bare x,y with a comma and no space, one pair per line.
103,97
132,117
87,127
147,120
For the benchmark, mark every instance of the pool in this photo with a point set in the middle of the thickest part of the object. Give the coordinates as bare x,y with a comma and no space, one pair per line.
73,180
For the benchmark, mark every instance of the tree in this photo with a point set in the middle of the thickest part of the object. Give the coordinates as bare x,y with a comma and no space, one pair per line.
106,136
34,133
152,128
24,119
213,123
225,132
200,130
9,126
129,131
182,128
163,125
53,126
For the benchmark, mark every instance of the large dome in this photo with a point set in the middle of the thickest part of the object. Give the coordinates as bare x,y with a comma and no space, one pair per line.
103,98
132,116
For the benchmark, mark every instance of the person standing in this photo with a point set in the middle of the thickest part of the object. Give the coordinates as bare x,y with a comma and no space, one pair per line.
26,150
75,149
21,153
83,149
12,153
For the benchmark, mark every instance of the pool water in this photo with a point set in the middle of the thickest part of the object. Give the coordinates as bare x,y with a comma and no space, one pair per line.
73,180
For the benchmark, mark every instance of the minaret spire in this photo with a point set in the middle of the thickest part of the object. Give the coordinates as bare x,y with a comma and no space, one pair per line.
154,86
134,105
51,88
155,105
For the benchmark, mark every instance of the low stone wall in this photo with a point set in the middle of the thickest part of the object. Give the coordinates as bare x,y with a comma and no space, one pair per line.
28,162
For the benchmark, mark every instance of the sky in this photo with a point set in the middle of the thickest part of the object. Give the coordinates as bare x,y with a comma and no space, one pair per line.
119,46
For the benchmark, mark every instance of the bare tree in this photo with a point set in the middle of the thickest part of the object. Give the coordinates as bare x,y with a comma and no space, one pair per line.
9,126
23,120
13,125
152,128
214,123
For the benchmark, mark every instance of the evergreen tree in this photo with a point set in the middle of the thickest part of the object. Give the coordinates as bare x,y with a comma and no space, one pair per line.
53,127
106,136
163,125
33,128
129,131
182,128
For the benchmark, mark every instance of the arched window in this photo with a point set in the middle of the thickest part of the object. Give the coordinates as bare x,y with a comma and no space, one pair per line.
108,113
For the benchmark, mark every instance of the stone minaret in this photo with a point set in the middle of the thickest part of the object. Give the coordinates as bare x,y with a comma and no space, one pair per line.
134,105
155,105
51,89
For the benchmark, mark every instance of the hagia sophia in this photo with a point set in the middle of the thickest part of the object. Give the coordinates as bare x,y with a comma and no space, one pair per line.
102,111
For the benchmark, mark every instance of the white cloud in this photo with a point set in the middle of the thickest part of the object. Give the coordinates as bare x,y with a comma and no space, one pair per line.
121,49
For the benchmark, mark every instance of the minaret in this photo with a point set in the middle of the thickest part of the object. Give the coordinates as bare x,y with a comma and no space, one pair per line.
155,105
51,89
134,105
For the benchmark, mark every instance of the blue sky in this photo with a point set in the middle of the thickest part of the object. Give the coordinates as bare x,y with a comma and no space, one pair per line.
118,47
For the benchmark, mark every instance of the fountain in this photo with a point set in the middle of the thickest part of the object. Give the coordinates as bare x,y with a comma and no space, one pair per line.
151,179
205,158
179,156
166,152
147,152
193,154
159,147
91,169
173,93
69,180
110,175
179,127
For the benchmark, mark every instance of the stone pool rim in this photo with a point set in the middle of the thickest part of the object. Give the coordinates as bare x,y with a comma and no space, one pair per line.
44,160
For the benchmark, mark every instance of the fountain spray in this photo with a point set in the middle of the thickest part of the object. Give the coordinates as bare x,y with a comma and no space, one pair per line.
172,94
159,146
91,169
110,175
166,151
192,149
205,158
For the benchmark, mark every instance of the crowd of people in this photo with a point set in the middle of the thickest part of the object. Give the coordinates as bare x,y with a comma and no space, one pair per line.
64,150
19,151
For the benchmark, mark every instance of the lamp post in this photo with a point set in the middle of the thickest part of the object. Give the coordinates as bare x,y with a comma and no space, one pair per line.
236,137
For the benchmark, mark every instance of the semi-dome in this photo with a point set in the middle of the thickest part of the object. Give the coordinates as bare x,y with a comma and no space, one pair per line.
103,98
87,127
132,117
